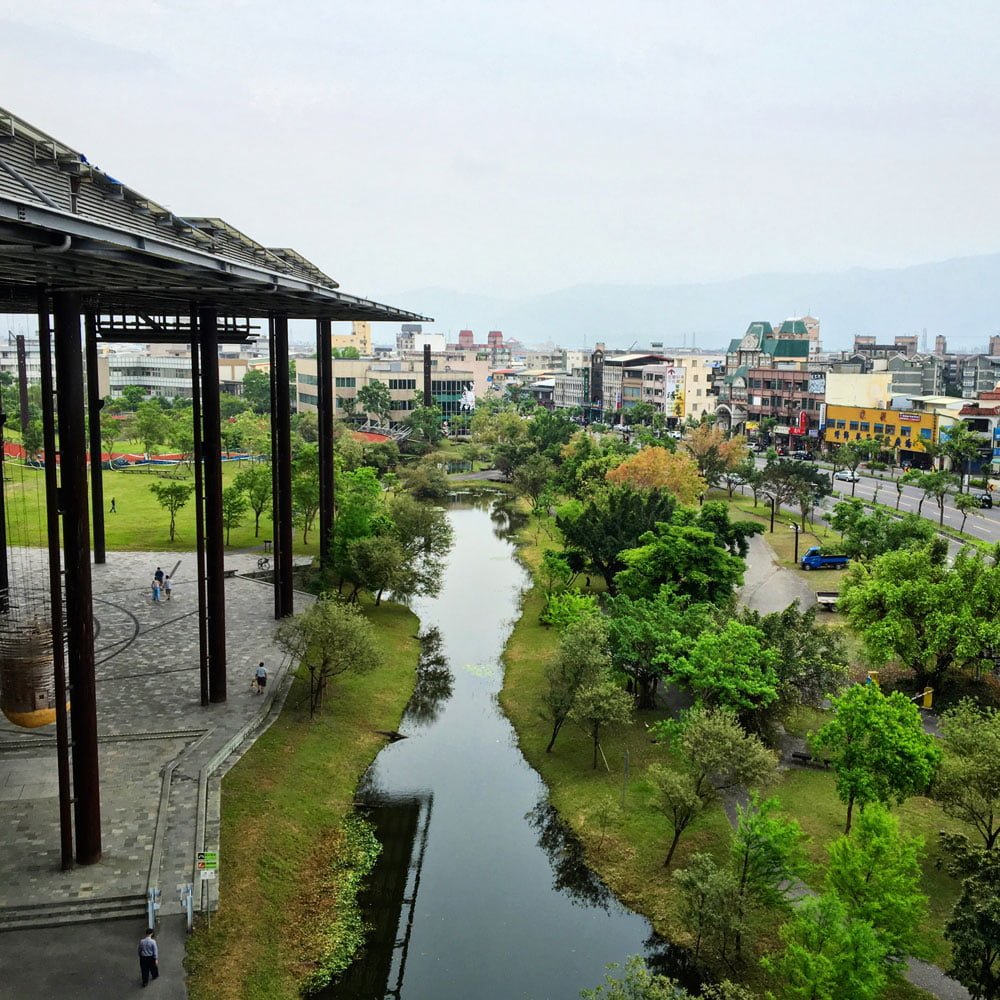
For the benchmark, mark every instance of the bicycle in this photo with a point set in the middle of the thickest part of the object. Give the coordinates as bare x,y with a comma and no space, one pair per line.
264,562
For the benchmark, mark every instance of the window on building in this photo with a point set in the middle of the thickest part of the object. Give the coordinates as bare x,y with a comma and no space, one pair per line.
854,425
865,426
879,429
925,433
890,428
402,383
311,400
345,382
841,424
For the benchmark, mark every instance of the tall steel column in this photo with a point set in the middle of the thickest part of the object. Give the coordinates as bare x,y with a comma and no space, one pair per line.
55,584
4,574
276,516
79,598
282,417
199,508
215,538
324,372
94,405
428,394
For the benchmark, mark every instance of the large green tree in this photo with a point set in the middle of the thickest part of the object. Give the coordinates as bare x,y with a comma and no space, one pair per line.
255,482
234,507
968,781
257,390
876,872
612,520
866,534
375,399
329,639
910,607
582,657
601,704
172,497
877,748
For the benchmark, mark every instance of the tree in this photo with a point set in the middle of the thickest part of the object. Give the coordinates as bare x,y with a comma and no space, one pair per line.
426,480
729,667
766,856
706,891
582,657
234,506
531,479
172,497
374,563
876,873
657,468
911,607
960,446
133,396
33,440
790,482
866,534
811,661
328,640
966,504
647,634
563,609
601,703
423,535
149,425
359,511
255,483
715,754
254,433
180,436
968,781
713,452
938,485
375,399
305,490
425,424
112,430
829,954
877,748
257,390
609,522
639,984
973,930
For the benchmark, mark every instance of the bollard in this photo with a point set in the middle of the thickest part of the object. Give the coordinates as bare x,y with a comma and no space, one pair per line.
152,905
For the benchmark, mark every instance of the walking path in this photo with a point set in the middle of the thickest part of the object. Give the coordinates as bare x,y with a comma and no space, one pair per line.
161,753
769,587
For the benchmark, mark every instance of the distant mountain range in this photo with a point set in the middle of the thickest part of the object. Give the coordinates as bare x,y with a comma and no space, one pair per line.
959,298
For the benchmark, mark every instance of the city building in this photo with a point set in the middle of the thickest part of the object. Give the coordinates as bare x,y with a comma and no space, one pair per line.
905,431
360,338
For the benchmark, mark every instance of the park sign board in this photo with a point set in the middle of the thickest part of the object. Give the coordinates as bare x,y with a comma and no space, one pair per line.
207,863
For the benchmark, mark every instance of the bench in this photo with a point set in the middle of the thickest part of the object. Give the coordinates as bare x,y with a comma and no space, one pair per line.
228,573
808,760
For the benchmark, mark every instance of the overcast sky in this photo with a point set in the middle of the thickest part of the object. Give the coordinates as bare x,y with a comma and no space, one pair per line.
516,148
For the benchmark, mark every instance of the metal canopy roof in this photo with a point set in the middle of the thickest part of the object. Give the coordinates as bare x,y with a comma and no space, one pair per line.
66,224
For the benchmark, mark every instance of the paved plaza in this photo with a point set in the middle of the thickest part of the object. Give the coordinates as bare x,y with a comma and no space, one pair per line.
162,754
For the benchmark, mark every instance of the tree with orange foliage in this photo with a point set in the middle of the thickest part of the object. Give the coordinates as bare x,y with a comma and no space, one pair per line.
714,453
657,468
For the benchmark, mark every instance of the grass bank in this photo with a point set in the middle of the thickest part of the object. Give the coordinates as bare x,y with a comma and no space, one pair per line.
626,845
291,867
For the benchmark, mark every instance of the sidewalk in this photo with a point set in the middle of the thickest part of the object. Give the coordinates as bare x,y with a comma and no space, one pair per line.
161,753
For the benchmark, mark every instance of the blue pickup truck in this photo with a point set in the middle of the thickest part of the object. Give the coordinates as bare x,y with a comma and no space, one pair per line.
816,559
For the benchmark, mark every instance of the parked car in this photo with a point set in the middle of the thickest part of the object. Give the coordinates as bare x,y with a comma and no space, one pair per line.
846,476
986,501
802,456
816,558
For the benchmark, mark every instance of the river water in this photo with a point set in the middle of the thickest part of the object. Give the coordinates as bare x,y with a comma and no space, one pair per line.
479,893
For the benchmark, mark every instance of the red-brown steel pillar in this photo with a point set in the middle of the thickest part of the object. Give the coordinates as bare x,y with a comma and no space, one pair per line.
324,380
199,508
215,539
55,584
76,558
276,517
94,405
281,417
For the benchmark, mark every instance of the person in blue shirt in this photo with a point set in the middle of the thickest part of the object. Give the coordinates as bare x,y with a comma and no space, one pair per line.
148,957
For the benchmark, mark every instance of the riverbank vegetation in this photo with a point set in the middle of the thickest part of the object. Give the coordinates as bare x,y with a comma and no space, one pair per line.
293,861
662,585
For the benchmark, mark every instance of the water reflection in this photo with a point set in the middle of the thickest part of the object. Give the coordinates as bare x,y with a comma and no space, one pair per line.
434,681
570,874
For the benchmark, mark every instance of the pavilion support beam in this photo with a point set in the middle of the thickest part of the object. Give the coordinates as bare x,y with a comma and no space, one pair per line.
215,538
281,416
94,406
4,570
55,584
276,517
324,364
199,508
79,597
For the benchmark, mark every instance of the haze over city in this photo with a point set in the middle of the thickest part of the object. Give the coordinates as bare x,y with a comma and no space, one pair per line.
467,160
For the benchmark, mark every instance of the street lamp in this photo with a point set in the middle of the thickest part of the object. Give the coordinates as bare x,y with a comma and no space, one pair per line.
796,528
770,499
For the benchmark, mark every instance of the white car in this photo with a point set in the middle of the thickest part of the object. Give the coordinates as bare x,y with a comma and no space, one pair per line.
846,476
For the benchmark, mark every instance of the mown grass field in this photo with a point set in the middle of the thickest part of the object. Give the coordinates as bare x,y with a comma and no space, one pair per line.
281,809
140,523
626,846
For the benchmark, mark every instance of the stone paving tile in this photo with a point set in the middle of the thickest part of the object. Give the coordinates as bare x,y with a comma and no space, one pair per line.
149,716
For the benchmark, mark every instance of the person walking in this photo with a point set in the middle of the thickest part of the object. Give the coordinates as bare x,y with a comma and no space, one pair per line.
114,506
168,586
261,677
158,576
149,957
155,585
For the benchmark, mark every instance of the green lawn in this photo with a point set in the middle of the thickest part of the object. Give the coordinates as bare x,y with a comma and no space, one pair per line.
627,846
140,523
282,806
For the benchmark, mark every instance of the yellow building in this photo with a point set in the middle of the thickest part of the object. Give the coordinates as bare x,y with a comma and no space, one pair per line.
360,337
906,430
